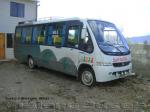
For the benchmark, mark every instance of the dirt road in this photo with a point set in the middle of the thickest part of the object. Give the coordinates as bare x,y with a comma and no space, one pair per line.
42,90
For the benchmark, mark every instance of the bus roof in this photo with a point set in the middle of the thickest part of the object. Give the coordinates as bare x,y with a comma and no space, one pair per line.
52,20
46,20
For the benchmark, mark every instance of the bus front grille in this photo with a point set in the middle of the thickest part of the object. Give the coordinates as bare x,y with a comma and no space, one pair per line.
121,64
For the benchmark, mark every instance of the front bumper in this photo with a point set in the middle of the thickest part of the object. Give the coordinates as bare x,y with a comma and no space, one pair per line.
108,73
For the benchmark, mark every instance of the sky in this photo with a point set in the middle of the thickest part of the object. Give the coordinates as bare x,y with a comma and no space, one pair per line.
131,16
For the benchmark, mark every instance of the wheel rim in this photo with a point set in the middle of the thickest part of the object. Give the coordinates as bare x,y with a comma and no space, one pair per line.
87,78
31,64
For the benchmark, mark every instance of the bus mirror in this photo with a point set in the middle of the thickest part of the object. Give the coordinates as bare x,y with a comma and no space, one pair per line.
83,35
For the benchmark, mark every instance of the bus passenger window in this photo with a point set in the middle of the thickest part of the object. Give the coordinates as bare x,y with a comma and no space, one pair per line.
23,35
57,35
48,36
40,34
28,35
18,35
86,43
73,35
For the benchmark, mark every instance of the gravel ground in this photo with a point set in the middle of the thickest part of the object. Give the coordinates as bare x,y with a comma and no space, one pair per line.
43,90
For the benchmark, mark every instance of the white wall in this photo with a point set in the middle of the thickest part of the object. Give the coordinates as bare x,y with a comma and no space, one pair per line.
8,23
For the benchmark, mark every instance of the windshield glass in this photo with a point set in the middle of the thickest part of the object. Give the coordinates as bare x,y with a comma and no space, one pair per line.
108,37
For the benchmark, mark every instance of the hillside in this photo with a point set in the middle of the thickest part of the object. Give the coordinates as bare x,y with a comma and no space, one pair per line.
139,39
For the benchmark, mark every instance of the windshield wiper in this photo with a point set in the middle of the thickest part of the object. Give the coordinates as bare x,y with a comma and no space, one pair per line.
111,44
121,45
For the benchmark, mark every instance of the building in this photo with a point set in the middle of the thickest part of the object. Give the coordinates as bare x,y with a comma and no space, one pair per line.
12,12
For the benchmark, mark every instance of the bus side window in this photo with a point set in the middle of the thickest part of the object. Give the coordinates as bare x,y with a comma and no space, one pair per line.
23,35
18,35
40,34
48,36
86,43
28,35
33,41
36,30
73,35
57,35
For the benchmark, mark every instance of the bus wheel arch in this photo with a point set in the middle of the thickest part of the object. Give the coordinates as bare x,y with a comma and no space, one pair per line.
86,70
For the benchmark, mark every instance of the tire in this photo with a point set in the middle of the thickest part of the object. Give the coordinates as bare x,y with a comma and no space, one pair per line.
87,77
31,63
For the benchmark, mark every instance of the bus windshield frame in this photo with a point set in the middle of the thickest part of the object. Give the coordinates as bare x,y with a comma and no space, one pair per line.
109,38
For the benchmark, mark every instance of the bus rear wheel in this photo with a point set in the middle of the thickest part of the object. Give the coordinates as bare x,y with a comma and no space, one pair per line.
87,77
31,63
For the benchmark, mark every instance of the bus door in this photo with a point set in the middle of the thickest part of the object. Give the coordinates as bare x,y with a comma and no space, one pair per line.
71,51
86,47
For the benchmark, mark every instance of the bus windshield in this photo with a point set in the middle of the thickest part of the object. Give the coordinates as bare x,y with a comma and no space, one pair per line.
108,37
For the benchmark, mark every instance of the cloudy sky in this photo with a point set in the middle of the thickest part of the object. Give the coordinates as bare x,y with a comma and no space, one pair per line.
132,16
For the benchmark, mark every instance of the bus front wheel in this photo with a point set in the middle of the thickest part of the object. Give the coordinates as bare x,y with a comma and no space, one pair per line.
31,63
87,77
